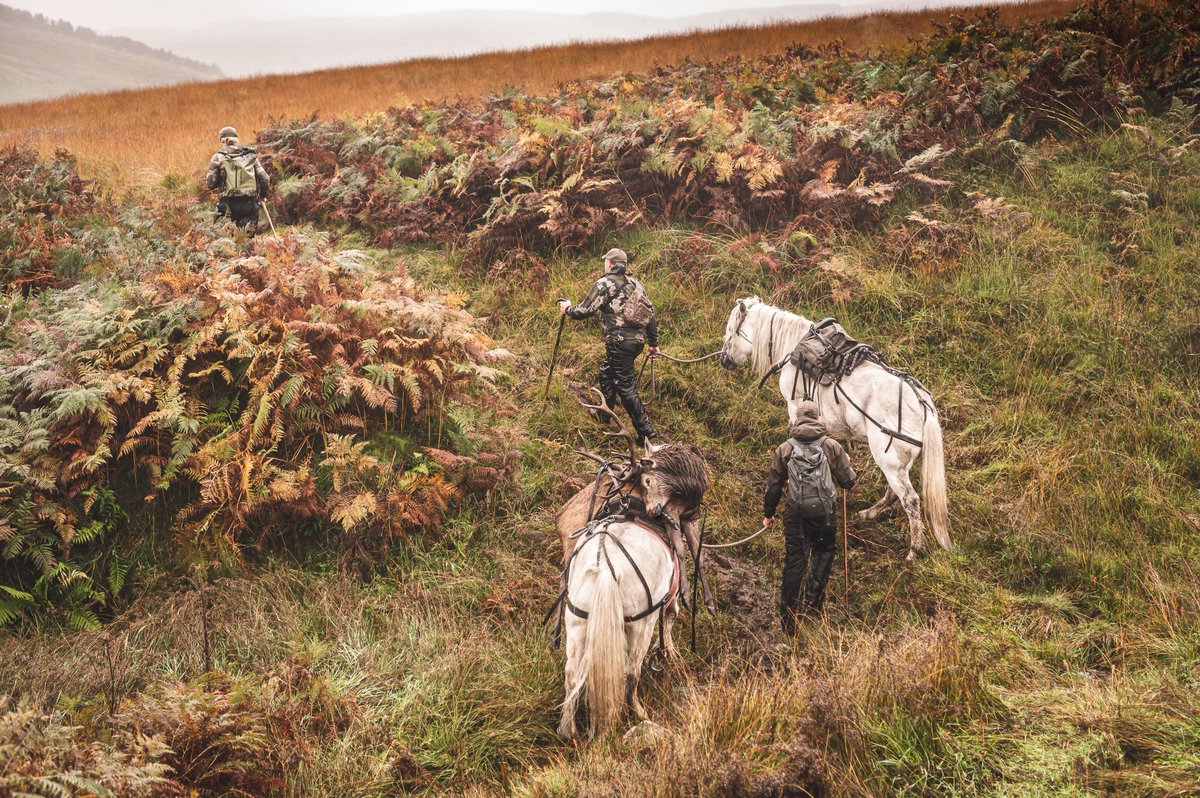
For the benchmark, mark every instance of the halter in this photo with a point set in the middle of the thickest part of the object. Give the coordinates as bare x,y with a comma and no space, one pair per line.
738,330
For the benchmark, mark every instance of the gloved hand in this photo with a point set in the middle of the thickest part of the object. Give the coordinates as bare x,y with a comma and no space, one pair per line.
563,304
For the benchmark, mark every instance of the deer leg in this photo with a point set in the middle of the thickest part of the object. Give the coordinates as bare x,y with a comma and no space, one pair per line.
691,531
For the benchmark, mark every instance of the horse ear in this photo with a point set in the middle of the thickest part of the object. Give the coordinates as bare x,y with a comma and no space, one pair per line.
753,300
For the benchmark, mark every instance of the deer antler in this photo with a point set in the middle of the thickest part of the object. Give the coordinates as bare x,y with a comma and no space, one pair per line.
622,432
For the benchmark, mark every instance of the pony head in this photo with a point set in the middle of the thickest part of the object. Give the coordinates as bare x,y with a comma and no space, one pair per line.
738,347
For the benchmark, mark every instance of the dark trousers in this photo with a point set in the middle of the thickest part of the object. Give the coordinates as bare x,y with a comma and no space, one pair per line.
618,378
811,543
243,211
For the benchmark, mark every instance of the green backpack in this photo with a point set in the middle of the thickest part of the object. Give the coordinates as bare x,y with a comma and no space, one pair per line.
239,173
810,481
632,306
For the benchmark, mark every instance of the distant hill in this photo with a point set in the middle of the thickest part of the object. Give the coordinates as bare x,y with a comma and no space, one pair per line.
42,58
256,46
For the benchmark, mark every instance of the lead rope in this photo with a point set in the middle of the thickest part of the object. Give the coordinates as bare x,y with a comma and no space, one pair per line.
736,542
688,360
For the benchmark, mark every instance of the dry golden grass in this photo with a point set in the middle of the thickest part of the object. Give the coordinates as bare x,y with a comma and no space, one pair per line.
141,136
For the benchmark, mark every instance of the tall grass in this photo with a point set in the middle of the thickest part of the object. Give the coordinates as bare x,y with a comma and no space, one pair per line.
143,137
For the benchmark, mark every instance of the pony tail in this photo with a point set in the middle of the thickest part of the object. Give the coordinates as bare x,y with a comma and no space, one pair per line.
933,482
605,653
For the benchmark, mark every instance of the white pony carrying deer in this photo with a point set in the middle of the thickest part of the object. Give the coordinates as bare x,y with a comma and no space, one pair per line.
889,411
622,577
622,572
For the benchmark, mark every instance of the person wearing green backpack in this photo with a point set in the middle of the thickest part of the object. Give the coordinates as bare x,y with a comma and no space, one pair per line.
808,463
239,179
627,318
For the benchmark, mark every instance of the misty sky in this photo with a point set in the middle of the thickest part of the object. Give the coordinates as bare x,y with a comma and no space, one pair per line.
106,15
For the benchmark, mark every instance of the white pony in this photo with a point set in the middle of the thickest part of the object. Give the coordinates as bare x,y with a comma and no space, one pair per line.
622,576
895,417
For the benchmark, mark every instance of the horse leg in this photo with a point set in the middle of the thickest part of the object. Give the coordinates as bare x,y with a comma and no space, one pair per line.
876,510
670,652
894,458
910,500
638,642
573,681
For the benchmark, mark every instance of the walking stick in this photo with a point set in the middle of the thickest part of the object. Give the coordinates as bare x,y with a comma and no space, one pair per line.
562,320
699,574
845,555
267,211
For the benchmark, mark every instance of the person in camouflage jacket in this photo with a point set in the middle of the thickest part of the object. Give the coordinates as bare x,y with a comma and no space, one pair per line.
623,342
240,204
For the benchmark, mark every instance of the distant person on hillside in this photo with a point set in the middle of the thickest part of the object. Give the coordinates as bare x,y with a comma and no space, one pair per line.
627,317
808,463
239,179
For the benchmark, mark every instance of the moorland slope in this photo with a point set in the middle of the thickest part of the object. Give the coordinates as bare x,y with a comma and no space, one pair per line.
277,513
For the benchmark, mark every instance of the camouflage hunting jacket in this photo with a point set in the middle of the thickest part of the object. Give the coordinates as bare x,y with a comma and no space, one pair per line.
606,297
809,429
215,177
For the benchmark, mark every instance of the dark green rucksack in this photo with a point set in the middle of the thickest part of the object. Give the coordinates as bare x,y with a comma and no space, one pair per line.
810,480
239,173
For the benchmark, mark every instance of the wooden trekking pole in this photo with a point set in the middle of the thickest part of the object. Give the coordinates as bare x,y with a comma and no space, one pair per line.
845,554
268,213
562,321
697,576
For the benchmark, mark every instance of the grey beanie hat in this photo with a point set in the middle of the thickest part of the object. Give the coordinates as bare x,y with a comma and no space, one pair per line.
616,255
808,410
227,133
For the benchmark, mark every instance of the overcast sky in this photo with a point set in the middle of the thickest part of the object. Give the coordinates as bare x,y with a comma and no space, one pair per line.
105,15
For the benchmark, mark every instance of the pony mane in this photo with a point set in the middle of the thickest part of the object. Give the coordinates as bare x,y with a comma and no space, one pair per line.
767,322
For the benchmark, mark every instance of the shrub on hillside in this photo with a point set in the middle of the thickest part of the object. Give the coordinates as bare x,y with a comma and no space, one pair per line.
235,398
43,756
42,205
214,738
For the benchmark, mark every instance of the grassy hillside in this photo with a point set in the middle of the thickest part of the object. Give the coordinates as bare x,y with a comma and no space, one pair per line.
41,59
1042,281
176,127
